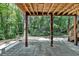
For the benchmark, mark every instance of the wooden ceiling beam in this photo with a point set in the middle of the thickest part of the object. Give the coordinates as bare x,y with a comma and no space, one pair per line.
54,8
78,12
73,13
32,8
70,9
57,8
37,8
27,10
45,13
50,8
65,8
74,10
43,9
61,7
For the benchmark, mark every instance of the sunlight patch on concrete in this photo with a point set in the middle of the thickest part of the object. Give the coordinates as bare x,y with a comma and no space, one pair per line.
48,39
59,39
43,39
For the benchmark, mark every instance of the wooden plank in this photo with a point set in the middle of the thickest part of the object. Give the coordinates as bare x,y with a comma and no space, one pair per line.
27,10
51,29
68,28
55,6
32,8
35,6
74,9
68,10
46,8
75,13
26,23
59,6
75,31
45,13
71,8
65,8
42,8
50,8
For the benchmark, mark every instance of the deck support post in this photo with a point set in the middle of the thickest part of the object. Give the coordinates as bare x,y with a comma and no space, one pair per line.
75,31
51,29
68,28
26,30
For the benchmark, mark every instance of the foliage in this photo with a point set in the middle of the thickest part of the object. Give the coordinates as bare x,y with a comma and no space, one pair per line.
11,21
40,25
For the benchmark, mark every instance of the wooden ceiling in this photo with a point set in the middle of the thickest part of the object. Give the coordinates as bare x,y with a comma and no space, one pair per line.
49,8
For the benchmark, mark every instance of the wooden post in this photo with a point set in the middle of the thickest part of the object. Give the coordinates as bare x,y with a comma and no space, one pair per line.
75,31
51,29
26,30
68,28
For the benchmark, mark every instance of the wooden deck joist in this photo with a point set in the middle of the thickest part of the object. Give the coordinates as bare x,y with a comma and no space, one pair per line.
47,8
65,8
46,14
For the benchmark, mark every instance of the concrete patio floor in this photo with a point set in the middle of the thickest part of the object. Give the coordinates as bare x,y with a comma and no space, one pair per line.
41,47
